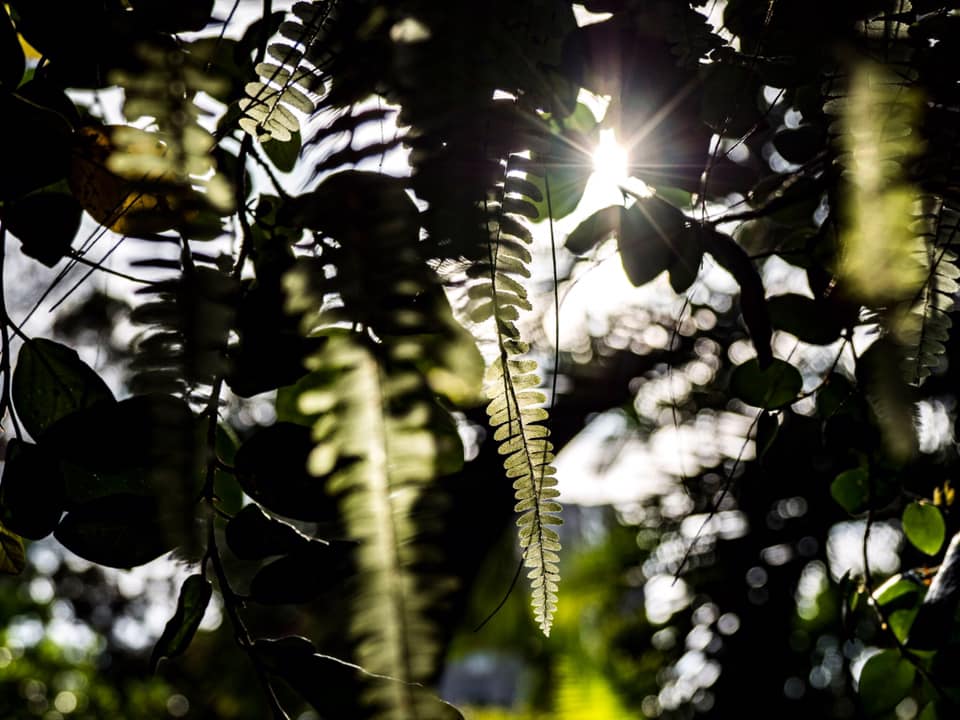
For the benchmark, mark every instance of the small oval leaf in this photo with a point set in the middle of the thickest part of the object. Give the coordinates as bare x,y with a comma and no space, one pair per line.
924,527
180,629
851,491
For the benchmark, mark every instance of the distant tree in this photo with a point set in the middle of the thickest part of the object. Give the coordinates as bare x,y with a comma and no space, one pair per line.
382,319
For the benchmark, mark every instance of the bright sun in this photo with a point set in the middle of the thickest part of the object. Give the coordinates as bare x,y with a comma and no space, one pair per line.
610,159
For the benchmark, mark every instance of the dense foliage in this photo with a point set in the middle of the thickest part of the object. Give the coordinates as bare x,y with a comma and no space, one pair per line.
340,383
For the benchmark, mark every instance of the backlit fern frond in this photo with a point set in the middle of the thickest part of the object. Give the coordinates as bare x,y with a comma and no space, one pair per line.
293,77
926,327
882,260
381,440
515,408
165,91
368,228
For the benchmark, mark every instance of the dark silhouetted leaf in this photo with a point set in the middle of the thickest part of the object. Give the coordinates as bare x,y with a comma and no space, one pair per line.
283,155
594,230
272,469
31,492
39,149
301,576
120,531
46,223
885,680
731,100
770,388
173,15
50,381
180,629
799,145
924,527
685,264
143,432
649,238
767,428
814,322
753,304
254,535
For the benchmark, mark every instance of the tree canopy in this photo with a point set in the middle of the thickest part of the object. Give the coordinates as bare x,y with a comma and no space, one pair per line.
480,359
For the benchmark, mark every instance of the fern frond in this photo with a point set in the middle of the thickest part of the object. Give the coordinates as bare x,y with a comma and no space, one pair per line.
183,348
516,409
926,326
515,413
381,440
291,80
165,91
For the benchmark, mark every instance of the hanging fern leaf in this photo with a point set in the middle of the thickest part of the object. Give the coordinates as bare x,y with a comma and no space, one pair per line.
381,440
165,92
515,409
183,348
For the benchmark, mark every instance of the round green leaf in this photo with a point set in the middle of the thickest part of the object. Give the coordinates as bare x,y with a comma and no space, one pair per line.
924,527
851,491
885,680
769,388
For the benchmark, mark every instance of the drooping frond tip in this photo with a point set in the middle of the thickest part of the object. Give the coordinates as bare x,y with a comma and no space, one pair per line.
516,416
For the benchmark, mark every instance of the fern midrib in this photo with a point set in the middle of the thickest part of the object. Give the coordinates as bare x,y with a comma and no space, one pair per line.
387,540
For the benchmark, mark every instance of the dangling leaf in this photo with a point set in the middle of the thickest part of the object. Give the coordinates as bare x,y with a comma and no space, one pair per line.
179,631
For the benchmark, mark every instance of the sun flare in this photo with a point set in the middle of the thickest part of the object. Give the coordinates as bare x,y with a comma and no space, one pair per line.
610,158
